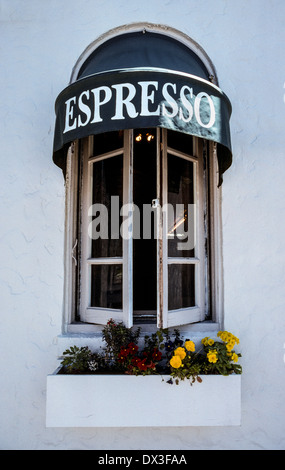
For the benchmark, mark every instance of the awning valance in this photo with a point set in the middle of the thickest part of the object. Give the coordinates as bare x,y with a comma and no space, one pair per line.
142,79
137,98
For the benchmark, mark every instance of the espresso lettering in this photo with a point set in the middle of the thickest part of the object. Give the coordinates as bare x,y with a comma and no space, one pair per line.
186,103
84,108
69,115
98,102
127,102
197,110
147,97
170,101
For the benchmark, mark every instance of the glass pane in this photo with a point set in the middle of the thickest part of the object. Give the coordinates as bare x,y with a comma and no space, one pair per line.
144,244
107,142
106,286
107,202
181,286
181,214
180,141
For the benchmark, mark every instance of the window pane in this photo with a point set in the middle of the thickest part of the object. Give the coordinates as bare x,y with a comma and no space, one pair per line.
180,141
181,223
107,142
181,286
106,286
107,192
144,244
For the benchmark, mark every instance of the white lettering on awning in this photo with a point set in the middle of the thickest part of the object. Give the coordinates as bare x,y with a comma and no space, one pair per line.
177,103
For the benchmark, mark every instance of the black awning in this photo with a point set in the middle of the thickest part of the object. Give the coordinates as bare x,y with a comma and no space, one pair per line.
139,49
138,95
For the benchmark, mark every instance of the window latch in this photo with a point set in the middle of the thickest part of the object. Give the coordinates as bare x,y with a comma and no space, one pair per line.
73,251
155,203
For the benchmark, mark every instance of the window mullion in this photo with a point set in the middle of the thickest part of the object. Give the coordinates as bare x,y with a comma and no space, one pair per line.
85,242
110,260
200,230
127,241
163,248
183,260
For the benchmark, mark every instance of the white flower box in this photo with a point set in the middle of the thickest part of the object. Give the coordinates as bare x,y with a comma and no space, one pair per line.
129,401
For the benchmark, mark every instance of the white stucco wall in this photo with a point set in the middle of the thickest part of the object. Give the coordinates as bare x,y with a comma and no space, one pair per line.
40,43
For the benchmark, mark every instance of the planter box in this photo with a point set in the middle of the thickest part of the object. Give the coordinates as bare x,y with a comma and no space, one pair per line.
127,401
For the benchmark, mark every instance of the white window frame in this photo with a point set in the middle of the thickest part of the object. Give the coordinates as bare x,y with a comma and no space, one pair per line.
98,315
72,254
174,318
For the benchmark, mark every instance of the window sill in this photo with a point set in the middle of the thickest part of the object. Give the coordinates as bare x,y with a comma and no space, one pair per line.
90,329
141,401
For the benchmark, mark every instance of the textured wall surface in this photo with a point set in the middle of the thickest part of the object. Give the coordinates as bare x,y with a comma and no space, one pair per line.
40,43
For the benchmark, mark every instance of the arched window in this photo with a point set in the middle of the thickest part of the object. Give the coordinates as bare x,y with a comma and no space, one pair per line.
142,135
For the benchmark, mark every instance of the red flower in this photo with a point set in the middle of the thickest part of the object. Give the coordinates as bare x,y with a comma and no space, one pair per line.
156,355
142,364
135,361
121,358
132,348
123,354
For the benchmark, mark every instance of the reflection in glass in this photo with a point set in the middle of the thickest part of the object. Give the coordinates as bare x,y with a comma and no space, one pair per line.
181,286
107,191
106,286
181,225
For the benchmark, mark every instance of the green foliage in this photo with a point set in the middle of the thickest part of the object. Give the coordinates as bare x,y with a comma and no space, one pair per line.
224,364
81,360
190,371
221,357
76,359
116,337
215,357
162,353
156,340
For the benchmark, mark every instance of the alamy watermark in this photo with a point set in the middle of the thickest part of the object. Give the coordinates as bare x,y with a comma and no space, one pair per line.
130,221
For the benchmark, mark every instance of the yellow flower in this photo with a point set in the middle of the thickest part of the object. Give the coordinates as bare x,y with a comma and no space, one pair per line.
225,336
212,356
236,339
204,341
230,345
180,352
234,357
176,362
228,337
210,342
190,345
